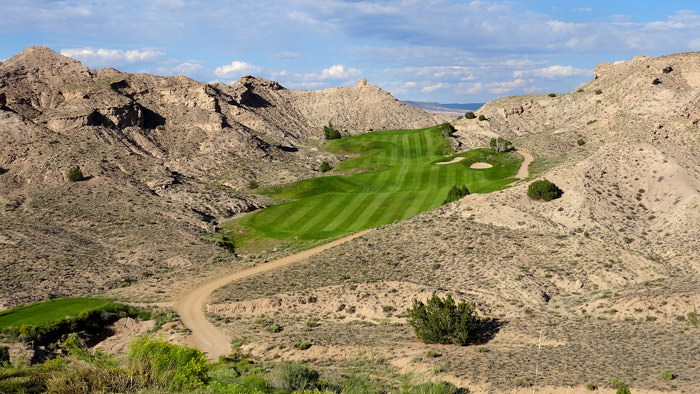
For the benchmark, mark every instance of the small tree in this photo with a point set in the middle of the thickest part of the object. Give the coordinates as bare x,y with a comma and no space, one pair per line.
325,167
75,174
456,193
447,130
543,190
330,133
442,321
470,115
500,144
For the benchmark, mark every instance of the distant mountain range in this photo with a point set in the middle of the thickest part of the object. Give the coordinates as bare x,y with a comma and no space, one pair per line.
445,109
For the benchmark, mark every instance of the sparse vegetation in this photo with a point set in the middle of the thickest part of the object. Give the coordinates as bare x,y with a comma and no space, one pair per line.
290,376
330,133
693,319
443,321
598,91
75,174
543,190
667,375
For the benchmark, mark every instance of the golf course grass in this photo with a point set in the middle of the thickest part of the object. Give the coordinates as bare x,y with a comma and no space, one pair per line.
48,316
392,176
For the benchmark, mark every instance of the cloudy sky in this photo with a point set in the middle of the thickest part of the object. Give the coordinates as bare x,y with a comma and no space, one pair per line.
427,50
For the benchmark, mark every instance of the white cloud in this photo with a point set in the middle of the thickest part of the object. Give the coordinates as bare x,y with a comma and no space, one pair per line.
339,71
184,68
432,88
101,57
235,69
553,72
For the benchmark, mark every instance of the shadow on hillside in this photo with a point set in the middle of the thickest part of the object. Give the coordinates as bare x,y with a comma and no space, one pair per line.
491,328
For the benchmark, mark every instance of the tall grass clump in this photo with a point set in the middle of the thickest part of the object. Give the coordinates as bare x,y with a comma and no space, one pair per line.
164,365
290,376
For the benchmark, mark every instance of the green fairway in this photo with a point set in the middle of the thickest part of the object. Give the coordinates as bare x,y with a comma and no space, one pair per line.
47,313
394,176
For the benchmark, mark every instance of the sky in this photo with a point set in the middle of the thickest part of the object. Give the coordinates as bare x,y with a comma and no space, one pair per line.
431,50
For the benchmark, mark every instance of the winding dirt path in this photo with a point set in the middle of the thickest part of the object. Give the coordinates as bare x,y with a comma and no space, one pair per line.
527,159
212,340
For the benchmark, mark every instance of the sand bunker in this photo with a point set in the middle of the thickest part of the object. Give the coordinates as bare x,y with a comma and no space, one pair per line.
455,160
480,166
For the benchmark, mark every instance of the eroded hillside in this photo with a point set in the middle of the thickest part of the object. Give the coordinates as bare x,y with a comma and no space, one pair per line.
162,158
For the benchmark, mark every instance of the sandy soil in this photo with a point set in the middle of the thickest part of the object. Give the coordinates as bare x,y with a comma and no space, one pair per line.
455,160
480,166
209,338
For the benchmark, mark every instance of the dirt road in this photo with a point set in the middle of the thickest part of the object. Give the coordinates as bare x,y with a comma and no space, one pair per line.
523,171
212,340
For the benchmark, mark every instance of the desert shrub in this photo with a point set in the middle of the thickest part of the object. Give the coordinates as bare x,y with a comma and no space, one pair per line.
252,184
324,167
693,319
330,133
456,193
302,345
580,90
447,130
482,117
443,321
500,144
667,375
591,386
552,95
470,115
580,142
290,376
75,174
162,364
624,389
86,378
4,355
598,91
543,190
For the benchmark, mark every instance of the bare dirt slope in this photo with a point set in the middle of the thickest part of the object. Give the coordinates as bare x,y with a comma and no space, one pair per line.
163,157
609,271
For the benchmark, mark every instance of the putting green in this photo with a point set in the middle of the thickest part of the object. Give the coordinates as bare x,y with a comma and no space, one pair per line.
395,176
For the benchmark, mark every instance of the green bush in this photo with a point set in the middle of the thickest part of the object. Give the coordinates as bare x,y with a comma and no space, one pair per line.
470,115
432,388
325,167
500,144
693,319
580,142
624,389
543,190
302,345
162,364
330,133
447,130
75,174
552,95
667,375
456,193
482,117
290,376
598,91
252,184
442,321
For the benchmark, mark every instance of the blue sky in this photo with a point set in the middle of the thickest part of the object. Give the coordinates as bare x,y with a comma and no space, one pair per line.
430,50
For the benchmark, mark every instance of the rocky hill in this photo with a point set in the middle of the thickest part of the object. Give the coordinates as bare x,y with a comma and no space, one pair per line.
162,158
